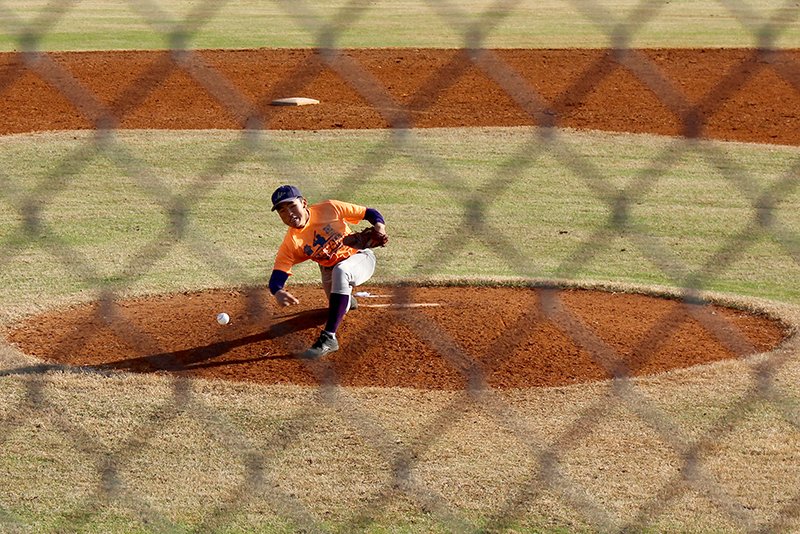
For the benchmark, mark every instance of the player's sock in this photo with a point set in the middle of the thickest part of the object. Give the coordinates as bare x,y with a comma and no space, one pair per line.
337,307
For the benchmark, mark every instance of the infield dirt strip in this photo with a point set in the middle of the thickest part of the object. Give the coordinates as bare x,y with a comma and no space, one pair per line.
739,96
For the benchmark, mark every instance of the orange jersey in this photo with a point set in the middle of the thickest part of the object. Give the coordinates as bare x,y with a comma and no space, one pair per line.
320,239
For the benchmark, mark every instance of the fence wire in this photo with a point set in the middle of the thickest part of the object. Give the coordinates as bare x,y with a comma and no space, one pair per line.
257,461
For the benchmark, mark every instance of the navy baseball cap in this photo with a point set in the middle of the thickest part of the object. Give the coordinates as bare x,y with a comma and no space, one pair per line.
284,193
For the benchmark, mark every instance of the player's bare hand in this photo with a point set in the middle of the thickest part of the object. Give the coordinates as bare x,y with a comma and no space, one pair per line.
285,298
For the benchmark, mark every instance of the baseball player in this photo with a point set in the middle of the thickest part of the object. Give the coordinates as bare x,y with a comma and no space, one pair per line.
320,233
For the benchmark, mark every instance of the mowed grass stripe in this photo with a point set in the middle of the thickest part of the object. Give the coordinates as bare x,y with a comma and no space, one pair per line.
100,25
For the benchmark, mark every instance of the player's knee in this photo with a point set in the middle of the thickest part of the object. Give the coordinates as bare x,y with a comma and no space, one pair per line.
340,282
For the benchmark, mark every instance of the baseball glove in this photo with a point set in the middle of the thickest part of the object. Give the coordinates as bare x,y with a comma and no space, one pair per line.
366,238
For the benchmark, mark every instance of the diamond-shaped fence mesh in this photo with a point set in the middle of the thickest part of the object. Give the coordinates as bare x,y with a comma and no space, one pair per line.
399,464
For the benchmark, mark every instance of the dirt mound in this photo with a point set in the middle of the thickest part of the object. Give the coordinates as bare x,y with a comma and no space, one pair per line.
426,337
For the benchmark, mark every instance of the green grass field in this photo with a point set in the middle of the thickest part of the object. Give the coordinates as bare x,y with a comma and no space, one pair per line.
96,25
535,218
706,449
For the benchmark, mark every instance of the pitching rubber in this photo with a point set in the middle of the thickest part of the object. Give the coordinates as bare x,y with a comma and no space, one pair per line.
401,305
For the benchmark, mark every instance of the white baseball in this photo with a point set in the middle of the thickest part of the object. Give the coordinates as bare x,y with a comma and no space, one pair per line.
223,318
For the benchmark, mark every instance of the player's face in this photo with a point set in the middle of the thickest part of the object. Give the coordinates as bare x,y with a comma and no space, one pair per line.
294,213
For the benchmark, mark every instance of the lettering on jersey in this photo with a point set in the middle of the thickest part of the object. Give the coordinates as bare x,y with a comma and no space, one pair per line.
319,240
324,249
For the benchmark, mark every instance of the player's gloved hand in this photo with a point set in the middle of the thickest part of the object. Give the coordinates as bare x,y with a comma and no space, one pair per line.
374,236
285,298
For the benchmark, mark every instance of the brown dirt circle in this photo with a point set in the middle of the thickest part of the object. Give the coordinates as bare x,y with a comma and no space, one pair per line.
501,336
422,337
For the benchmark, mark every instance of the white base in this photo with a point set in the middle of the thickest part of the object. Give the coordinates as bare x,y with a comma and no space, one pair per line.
294,101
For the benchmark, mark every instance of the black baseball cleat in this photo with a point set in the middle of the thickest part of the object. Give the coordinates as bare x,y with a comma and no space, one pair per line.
325,344
353,304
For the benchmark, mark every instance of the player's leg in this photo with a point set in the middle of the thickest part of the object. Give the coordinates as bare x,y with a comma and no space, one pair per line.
346,275
326,273
353,271
360,270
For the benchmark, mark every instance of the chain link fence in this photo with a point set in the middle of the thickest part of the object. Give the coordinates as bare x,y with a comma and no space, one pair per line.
547,456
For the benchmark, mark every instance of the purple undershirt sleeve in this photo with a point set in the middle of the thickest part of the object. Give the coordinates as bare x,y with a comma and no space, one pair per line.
373,216
277,280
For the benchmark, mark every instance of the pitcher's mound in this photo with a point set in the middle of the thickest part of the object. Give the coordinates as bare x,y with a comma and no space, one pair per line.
421,337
